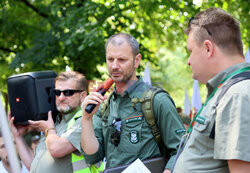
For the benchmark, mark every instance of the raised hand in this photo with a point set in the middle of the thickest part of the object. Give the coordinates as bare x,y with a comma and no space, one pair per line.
18,130
43,125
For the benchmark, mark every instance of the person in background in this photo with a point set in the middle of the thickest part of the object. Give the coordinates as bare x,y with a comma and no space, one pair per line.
184,118
123,135
59,147
218,139
34,142
4,162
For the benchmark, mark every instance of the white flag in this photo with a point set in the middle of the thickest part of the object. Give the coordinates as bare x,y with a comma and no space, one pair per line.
67,68
146,76
187,105
247,56
196,98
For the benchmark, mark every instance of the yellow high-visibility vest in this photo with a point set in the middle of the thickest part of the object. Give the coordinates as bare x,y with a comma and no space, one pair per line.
78,161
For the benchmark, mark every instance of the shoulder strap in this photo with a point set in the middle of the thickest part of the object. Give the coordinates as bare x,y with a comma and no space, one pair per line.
147,107
235,79
105,106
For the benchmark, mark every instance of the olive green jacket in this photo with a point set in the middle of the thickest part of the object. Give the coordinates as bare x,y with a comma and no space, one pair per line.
136,140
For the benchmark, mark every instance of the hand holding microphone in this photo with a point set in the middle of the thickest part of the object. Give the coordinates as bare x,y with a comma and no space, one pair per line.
106,85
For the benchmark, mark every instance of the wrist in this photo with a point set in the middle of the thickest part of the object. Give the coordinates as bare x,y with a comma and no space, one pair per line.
86,118
47,131
85,121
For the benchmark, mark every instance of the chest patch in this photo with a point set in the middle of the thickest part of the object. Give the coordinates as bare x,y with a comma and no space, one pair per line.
133,119
134,137
200,120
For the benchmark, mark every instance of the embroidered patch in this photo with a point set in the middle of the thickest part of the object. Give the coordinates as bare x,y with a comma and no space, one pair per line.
200,120
180,131
133,119
134,138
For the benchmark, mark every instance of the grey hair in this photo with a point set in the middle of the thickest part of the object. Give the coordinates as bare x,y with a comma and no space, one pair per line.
130,40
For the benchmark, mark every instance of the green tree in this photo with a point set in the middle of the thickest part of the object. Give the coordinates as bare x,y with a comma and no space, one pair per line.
50,34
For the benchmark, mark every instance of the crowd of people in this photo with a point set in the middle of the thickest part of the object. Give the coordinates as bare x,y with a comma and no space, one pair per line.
216,141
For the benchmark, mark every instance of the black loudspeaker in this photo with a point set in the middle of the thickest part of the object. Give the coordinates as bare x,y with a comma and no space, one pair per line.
31,95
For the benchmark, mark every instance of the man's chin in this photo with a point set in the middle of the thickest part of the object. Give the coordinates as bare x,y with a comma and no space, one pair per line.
117,79
194,77
64,110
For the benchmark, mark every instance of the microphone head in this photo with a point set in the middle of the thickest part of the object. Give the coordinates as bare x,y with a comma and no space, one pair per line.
107,84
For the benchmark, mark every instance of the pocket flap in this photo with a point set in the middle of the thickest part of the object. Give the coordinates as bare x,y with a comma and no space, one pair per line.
201,123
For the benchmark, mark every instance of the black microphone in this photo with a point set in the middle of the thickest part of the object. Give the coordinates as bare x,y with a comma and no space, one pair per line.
106,85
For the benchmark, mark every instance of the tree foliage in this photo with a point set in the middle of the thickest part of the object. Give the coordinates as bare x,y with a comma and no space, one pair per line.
50,34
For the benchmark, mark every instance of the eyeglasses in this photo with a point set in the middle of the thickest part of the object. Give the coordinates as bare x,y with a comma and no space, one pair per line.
68,92
192,19
115,136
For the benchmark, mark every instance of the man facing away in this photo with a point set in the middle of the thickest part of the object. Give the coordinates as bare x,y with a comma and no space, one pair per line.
58,149
218,142
122,135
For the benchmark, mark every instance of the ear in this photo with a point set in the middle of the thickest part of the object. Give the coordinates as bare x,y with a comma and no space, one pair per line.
137,60
83,95
209,48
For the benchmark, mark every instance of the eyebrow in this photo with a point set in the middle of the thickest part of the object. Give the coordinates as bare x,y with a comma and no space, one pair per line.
124,57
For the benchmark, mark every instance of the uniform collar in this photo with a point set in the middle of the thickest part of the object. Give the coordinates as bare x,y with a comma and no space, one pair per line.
215,81
70,115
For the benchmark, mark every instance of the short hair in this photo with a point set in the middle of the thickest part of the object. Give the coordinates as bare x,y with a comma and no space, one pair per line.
130,40
78,77
218,26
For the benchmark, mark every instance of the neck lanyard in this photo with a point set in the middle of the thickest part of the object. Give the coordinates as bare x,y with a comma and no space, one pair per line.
212,94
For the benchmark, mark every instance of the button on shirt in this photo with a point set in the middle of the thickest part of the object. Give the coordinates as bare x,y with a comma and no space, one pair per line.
43,162
136,140
232,137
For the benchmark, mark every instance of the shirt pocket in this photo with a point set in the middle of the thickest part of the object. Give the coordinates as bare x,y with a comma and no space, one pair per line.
202,143
201,126
130,141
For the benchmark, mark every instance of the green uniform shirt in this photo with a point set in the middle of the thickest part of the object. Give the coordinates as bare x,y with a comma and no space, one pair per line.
232,127
136,140
43,162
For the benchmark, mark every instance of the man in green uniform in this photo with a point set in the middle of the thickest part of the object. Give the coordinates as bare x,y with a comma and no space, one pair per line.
123,135
218,140
54,151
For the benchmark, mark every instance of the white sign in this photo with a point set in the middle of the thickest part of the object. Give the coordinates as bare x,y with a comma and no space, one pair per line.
136,167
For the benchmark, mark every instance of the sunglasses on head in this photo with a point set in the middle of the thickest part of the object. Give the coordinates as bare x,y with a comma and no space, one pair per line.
69,92
191,21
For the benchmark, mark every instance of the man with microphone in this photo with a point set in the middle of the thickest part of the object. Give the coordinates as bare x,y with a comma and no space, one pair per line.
122,134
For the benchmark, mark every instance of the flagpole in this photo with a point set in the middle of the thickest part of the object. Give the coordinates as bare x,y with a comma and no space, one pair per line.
146,77
196,98
187,105
8,142
247,56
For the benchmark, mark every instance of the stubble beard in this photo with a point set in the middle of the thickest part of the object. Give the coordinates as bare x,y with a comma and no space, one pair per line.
126,77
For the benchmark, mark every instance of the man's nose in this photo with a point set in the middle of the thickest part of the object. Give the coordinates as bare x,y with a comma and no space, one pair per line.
61,96
115,64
